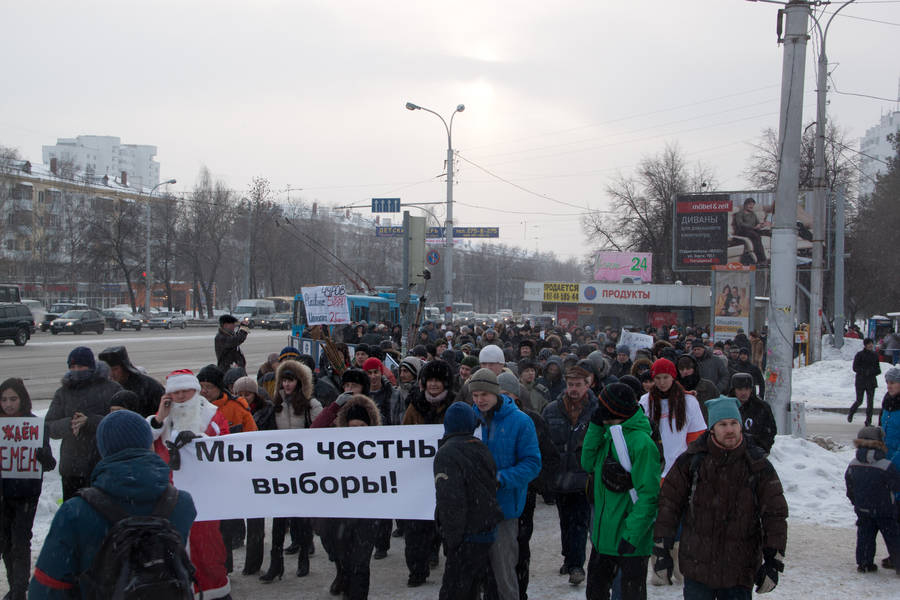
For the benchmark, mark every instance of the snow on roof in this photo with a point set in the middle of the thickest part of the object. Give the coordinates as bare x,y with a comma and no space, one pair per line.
42,173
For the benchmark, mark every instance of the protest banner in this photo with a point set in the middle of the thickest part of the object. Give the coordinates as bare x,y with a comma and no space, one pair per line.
325,305
20,437
635,341
344,472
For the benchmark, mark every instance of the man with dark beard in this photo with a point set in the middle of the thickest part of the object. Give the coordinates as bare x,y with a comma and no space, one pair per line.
183,415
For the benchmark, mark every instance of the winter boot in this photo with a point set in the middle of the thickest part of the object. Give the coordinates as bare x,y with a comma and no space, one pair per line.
869,568
276,567
302,563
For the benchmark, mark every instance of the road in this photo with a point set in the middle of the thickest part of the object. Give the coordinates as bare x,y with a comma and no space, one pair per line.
42,362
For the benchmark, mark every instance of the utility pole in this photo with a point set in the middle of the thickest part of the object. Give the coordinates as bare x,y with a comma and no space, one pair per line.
784,232
839,269
248,293
403,296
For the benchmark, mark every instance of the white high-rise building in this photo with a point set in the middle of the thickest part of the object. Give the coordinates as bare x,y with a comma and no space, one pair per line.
100,155
876,150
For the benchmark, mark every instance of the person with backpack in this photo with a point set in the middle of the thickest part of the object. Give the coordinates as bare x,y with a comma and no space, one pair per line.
184,415
19,499
78,559
729,500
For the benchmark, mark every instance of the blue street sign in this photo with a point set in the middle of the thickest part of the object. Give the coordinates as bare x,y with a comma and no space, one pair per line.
389,205
433,257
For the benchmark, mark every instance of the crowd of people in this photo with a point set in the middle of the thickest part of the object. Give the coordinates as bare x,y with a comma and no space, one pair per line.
656,456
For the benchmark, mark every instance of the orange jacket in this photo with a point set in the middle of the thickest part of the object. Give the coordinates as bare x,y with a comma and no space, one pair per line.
237,412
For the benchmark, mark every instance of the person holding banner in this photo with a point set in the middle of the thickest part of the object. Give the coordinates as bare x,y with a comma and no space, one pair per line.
295,408
619,451
20,494
184,415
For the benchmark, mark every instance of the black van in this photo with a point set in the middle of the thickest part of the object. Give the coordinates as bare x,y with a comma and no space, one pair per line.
16,323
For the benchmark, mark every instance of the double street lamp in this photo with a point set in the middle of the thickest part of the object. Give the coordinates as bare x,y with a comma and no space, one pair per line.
448,223
148,278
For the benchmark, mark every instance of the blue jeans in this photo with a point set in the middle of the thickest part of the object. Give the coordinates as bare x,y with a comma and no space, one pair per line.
694,590
574,519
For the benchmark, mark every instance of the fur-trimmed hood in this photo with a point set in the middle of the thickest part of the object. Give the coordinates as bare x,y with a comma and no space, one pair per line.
358,401
870,444
300,371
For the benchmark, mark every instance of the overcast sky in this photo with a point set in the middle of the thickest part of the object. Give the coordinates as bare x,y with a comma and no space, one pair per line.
559,96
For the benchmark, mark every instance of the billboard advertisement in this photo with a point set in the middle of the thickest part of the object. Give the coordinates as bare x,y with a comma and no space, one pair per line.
732,302
623,267
722,228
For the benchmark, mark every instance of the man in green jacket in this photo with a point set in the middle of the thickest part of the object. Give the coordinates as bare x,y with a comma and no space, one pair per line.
626,490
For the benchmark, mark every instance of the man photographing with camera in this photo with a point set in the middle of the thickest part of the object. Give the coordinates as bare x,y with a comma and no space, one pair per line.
228,343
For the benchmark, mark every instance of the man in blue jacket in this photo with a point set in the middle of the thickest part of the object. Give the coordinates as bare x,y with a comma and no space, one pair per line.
510,436
134,476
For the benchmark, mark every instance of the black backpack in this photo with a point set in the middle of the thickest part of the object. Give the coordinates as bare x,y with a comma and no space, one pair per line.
141,557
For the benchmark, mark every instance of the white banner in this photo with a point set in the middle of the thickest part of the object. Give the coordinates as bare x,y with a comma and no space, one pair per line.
20,437
325,305
635,341
357,472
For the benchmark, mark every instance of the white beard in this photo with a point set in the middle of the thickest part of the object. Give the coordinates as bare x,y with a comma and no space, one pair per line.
188,416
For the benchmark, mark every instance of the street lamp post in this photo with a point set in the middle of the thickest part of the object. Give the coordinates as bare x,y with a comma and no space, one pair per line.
448,223
147,279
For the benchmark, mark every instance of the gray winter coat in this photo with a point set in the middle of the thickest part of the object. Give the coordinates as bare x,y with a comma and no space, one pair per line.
715,370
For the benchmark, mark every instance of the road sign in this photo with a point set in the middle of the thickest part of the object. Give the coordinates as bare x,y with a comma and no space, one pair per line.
438,232
389,205
433,257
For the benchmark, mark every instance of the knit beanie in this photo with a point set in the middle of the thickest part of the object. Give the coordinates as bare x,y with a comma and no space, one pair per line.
891,376
741,381
182,379
616,402
212,374
412,364
81,356
634,383
508,383
288,353
245,385
871,433
126,399
372,364
232,375
723,407
491,354
123,429
459,418
623,349
470,361
484,380
663,365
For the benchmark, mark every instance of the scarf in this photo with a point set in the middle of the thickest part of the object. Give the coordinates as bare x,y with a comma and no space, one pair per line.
436,399
78,378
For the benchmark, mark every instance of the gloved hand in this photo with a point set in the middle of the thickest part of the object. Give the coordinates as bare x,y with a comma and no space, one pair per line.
48,463
614,476
625,547
767,575
184,438
174,456
663,562
343,398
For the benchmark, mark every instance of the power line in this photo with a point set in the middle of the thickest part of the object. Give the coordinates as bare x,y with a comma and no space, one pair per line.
846,16
837,91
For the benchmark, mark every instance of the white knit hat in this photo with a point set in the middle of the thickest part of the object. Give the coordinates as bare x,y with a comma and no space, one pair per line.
182,379
491,354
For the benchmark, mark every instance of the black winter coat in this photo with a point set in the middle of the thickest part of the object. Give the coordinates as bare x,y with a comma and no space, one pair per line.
872,481
759,422
465,482
79,455
568,439
549,454
228,349
382,399
866,367
148,390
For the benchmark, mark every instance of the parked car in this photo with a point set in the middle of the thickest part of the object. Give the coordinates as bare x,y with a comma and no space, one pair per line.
16,323
79,321
167,320
276,321
122,319
58,309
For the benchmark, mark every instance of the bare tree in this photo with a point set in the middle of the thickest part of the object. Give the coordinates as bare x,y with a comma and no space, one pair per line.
209,216
641,219
111,240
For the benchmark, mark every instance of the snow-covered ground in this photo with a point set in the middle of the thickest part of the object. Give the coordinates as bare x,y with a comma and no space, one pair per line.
821,535
829,382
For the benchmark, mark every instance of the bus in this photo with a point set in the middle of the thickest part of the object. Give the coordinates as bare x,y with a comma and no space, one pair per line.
370,308
282,303
463,310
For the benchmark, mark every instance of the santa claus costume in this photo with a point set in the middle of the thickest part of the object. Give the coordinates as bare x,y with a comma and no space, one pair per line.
201,417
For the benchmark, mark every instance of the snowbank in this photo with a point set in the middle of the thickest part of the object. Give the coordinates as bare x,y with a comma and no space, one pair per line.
813,481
